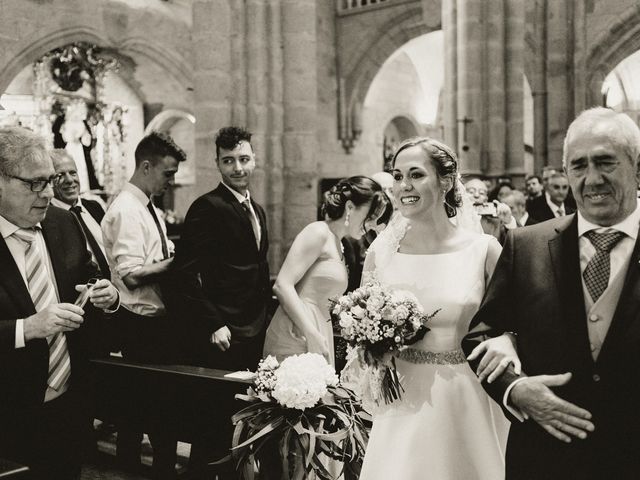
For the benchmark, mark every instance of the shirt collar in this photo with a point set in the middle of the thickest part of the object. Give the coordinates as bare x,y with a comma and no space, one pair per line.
238,196
7,228
553,206
65,206
628,226
524,218
137,193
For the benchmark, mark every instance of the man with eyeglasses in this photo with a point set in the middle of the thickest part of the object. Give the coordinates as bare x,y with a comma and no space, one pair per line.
44,338
89,213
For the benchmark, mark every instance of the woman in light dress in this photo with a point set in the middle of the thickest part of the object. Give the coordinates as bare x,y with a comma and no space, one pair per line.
314,270
444,427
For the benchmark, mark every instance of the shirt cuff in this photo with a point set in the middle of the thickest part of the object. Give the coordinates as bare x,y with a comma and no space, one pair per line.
20,343
512,224
521,416
117,305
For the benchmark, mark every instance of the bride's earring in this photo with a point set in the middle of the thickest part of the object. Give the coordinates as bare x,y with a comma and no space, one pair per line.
346,220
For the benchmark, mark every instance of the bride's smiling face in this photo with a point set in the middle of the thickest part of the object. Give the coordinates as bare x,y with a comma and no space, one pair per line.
416,185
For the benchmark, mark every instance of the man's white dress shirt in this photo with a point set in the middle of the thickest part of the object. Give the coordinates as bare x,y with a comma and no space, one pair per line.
131,240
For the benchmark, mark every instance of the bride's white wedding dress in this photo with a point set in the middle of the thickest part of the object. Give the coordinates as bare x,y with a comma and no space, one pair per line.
444,427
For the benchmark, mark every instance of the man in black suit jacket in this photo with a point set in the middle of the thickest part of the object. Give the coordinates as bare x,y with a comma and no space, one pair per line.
41,420
553,202
221,275
569,289
220,284
89,213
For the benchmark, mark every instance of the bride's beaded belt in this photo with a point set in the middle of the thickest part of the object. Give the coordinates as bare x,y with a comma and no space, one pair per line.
413,355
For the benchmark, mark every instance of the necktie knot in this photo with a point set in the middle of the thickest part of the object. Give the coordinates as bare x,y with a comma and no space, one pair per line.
26,235
604,242
76,208
246,204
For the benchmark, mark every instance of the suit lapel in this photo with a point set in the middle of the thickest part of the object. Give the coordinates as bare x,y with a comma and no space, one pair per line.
565,259
240,213
628,307
55,246
12,281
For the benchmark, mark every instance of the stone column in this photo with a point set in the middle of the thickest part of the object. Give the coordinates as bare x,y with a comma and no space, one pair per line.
275,153
484,48
514,73
450,110
212,83
495,90
559,77
539,87
257,71
470,89
300,108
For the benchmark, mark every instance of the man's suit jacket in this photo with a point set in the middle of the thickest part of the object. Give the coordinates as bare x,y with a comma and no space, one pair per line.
24,371
536,292
219,276
539,209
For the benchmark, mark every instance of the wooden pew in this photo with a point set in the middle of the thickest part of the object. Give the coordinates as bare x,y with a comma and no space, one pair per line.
191,402
12,471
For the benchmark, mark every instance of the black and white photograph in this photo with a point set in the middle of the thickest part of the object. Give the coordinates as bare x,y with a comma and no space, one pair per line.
319,239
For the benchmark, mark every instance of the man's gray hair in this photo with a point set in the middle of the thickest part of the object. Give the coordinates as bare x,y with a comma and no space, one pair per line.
618,126
59,154
19,145
518,197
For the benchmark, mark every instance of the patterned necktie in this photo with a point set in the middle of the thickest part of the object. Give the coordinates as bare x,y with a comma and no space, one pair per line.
42,293
165,250
246,205
596,274
561,211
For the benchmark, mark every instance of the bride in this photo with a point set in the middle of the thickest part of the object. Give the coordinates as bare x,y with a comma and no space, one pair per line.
444,427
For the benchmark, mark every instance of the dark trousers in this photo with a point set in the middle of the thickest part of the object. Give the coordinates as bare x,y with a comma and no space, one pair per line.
146,340
243,354
49,439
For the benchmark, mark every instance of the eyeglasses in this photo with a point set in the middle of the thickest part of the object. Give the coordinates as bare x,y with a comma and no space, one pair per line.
39,184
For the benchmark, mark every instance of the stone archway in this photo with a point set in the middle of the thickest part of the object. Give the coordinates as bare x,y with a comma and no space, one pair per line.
361,57
620,41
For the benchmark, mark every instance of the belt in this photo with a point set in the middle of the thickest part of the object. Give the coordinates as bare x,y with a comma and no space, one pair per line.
414,355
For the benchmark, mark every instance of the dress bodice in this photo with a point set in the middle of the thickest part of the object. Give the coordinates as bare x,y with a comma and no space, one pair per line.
326,278
452,282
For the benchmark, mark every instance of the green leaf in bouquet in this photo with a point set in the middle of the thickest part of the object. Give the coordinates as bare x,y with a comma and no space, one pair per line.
268,428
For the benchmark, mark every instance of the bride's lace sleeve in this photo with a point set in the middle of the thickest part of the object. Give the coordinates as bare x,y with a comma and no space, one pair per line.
369,267
383,247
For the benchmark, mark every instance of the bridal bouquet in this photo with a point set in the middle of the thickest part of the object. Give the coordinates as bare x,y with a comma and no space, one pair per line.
376,322
298,420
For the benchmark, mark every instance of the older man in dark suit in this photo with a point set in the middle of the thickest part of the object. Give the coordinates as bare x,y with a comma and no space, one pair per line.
89,213
44,338
569,289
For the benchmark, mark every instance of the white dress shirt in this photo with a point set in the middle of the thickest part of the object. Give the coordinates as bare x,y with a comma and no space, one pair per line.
242,199
131,240
92,225
555,208
598,315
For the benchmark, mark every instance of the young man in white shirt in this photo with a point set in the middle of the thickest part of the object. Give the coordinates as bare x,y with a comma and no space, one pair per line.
139,255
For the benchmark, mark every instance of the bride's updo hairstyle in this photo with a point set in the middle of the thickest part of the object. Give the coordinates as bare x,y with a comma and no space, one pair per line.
446,164
360,190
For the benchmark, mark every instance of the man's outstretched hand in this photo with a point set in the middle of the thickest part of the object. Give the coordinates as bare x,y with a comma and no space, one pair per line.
558,417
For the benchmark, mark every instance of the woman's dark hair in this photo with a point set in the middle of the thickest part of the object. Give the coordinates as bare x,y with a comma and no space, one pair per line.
360,190
446,164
